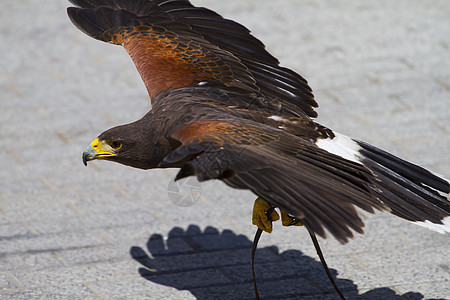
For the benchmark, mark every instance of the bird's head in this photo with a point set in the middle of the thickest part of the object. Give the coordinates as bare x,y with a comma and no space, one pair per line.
136,145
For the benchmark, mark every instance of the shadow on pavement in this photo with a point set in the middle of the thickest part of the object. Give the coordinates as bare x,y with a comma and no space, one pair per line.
214,265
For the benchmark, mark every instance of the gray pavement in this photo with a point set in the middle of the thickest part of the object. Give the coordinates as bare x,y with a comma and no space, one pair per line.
381,73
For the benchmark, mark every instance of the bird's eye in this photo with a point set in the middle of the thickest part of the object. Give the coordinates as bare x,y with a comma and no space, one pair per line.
115,145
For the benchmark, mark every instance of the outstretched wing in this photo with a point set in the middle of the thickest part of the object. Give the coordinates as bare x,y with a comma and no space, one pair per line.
289,172
175,44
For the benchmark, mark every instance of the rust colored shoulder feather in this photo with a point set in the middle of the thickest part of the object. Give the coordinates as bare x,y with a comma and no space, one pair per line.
167,60
222,132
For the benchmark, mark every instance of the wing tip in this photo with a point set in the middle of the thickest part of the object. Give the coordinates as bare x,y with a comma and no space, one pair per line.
442,228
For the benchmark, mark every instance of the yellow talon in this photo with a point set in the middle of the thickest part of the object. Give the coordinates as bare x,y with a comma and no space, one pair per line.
264,214
260,217
287,220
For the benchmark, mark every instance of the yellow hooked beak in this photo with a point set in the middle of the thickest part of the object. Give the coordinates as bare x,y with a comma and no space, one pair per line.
97,150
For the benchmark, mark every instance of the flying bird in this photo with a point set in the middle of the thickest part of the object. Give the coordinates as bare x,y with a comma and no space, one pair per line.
223,108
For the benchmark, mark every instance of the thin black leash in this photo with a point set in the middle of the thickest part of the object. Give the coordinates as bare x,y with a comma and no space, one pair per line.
324,263
254,246
318,250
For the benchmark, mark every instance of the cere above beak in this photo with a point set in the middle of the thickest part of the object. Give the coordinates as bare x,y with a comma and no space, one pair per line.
97,150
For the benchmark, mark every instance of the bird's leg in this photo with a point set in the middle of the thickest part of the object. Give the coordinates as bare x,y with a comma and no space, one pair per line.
263,215
288,220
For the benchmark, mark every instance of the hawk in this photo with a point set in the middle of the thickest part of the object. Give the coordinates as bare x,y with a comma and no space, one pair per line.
223,108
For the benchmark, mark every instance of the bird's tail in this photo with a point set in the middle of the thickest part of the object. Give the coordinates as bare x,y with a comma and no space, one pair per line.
407,190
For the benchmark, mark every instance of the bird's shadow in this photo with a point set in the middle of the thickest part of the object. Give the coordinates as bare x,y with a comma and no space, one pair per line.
216,265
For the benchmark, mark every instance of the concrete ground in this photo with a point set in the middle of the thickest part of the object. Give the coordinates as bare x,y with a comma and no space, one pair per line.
381,73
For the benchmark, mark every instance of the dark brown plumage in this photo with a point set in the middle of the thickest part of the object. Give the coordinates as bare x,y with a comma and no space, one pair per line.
222,108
